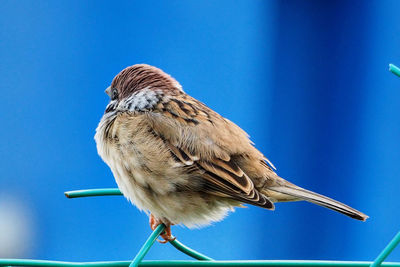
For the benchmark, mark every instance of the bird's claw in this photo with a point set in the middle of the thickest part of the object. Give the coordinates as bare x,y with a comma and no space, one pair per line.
166,234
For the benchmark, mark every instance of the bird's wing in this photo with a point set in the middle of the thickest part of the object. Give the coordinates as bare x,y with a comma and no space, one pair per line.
198,136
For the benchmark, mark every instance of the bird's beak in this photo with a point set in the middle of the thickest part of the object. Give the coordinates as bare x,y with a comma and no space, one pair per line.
108,91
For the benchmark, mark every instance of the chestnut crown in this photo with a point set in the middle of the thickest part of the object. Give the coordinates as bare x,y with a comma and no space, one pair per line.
138,77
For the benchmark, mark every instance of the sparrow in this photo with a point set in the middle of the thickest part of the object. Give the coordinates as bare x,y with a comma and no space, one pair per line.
180,161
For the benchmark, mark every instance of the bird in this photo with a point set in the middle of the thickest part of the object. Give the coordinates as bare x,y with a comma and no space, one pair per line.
181,162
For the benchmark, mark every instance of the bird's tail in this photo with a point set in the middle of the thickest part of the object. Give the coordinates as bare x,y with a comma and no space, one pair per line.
303,194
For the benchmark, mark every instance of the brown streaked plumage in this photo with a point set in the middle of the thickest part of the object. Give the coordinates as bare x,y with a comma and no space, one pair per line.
180,161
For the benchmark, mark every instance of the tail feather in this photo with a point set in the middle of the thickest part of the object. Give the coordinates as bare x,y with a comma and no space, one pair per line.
303,194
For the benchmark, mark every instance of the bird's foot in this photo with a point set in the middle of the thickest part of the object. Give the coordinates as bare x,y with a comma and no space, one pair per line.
166,235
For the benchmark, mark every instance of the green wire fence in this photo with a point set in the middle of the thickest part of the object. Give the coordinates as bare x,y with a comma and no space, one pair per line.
201,260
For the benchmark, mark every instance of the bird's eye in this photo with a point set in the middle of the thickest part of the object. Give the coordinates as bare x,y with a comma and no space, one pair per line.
114,94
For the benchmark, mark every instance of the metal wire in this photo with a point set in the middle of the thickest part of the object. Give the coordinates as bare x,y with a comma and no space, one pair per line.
93,192
207,261
46,263
190,252
203,260
114,192
147,245
387,250
394,69
265,263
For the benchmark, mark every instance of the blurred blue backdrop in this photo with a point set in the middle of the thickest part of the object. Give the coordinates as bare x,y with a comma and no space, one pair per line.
308,80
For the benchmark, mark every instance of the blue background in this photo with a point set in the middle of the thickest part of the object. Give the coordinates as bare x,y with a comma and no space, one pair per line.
308,80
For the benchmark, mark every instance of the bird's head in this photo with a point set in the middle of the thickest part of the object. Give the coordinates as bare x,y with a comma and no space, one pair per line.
139,77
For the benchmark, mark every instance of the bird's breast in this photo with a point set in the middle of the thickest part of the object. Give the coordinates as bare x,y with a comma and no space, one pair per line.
141,162
150,178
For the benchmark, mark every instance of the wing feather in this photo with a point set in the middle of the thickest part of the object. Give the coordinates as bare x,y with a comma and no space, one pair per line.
243,183
200,138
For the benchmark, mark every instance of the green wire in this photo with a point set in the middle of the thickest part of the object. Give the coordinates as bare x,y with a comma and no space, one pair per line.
387,250
93,192
394,69
190,252
114,192
204,260
159,263
396,240
147,245
264,263
45,263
